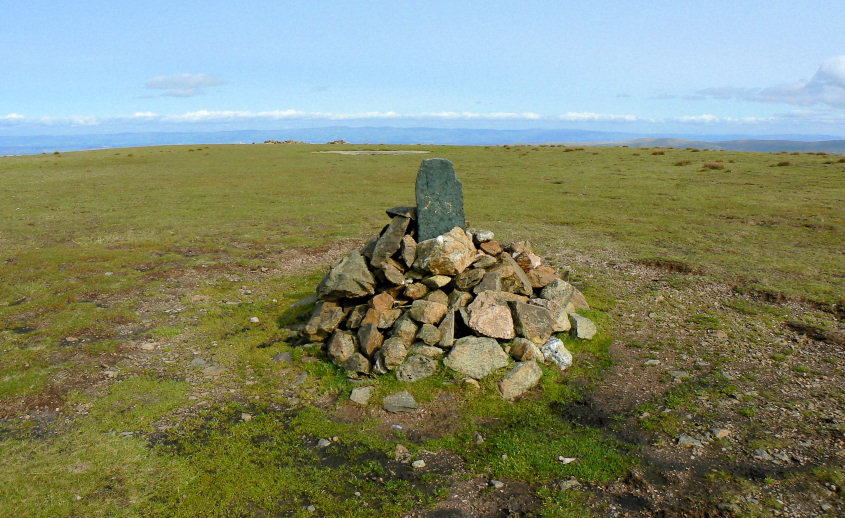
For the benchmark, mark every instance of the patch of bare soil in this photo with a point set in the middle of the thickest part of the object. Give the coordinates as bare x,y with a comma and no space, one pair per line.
396,152
434,419
768,386
478,498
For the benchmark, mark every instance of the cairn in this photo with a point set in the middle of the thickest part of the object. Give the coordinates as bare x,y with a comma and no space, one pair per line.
426,291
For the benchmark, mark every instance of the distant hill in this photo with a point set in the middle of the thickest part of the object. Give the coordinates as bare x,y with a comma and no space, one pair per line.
26,145
763,146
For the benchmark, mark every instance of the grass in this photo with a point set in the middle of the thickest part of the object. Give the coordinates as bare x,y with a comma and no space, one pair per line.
179,246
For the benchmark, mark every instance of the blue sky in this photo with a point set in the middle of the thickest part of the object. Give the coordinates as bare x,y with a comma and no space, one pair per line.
658,67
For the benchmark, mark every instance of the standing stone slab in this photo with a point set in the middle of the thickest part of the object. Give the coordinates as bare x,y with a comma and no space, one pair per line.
388,243
440,199
447,330
408,250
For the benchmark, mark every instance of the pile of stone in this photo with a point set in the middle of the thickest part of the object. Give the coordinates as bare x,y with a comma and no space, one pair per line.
288,141
426,291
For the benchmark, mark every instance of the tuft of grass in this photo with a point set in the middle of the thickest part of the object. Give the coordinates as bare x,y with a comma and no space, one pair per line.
747,411
706,321
713,165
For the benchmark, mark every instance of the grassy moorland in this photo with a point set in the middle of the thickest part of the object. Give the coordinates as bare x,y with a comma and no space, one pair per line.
133,383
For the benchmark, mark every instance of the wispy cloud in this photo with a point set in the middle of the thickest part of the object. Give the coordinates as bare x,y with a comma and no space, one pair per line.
243,116
662,97
183,85
826,87
596,117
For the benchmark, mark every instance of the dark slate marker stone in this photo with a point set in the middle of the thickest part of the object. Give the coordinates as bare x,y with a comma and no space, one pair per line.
440,199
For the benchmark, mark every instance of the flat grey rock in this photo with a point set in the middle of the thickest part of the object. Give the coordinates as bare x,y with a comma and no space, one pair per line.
476,356
198,362
440,199
299,380
283,357
357,363
686,440
307,301
400,402
416,368
361,395
582,327
525,376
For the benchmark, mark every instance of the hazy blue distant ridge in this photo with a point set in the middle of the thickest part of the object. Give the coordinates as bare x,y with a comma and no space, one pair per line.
21,145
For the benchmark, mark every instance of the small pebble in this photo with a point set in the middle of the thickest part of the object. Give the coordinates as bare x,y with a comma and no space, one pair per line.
498,484
246,417
472,383
418,464
569,484
254,320
322,443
